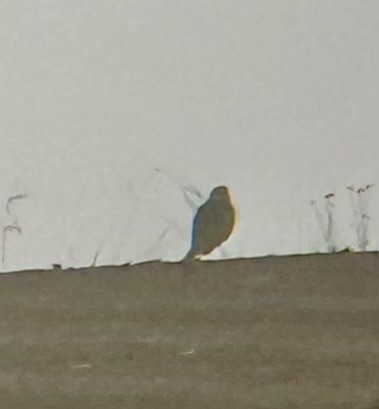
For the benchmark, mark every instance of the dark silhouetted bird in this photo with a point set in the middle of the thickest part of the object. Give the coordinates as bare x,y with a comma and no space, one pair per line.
213,223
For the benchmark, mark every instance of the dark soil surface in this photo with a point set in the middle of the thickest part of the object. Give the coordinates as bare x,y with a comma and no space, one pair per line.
278,332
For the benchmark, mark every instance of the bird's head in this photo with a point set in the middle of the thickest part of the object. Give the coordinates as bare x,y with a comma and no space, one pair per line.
219,192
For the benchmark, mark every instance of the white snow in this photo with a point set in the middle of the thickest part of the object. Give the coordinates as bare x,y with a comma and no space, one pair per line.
111,110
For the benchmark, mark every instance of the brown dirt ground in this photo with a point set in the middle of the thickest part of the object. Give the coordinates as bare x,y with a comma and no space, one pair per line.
278,332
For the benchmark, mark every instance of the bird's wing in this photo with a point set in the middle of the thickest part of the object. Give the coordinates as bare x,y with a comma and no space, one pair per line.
213,225
202,225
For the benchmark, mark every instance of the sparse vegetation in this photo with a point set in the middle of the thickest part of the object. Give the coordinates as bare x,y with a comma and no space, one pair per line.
189,191
326,223
359,204
13,225
94,260
359,200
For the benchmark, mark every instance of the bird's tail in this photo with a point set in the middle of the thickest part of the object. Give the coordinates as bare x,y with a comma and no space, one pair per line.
190,256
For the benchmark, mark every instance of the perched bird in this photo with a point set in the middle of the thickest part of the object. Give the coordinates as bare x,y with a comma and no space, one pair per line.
213,223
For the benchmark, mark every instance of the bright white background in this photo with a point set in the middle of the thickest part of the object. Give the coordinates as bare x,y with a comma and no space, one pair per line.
277,99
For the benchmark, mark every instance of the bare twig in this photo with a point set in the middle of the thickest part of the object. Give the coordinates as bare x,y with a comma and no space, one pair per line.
187,190
11,199
363,216
326,226
5,230
93,264
359,204
14,225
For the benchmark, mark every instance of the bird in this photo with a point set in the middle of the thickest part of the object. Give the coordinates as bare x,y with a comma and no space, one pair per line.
213,223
